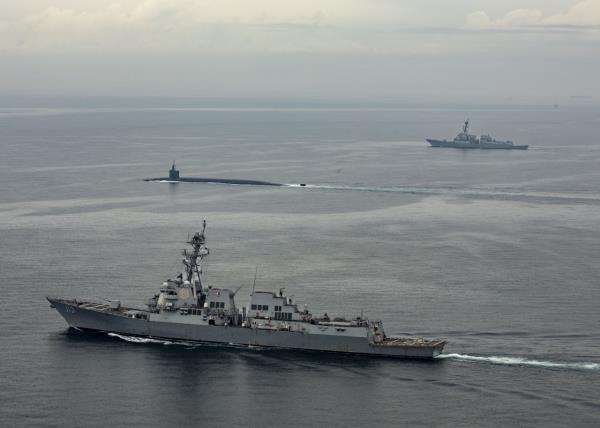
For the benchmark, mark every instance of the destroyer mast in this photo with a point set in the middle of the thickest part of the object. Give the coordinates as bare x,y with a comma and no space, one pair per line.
193,262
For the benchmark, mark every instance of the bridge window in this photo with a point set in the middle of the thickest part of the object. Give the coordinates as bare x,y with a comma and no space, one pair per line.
253,307
212,304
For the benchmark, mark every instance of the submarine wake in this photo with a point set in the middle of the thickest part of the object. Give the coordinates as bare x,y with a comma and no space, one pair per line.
465,192
412,190
477,193
519,361
541,197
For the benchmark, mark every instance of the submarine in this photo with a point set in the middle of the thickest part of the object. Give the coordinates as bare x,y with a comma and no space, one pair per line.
174,177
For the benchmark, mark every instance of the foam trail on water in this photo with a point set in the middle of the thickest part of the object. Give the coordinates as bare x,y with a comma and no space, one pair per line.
147,340
518,361
414,190
135,339
466,192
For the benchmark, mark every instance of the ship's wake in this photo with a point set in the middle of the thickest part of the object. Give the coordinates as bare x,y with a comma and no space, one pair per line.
498,360
136,339
464,192
155,341
519,361
384,189
476,193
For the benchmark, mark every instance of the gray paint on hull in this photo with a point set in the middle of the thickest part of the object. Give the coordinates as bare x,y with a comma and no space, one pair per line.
482,146
89,319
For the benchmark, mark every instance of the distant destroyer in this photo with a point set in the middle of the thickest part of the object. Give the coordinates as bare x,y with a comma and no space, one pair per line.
175,178
464,140
188,309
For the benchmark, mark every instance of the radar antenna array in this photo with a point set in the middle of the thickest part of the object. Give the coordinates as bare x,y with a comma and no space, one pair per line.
199,251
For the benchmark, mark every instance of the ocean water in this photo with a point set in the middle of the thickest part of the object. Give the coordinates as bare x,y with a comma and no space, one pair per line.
496,251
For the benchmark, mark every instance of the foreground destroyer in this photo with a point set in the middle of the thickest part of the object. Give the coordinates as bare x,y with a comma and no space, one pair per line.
464,140
188,309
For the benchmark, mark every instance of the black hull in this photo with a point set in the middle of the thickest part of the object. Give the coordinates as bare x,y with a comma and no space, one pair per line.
215,181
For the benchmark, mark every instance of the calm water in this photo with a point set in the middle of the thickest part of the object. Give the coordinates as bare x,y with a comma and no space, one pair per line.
495,251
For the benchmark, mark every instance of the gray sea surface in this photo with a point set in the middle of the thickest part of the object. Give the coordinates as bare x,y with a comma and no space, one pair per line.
497,251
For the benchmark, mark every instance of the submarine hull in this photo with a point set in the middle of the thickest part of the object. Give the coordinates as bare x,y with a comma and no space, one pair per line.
215,181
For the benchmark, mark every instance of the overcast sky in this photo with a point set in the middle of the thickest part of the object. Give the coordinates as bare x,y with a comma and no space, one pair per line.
362,49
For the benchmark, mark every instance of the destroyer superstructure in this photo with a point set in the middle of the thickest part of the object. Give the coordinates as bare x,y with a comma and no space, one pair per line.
186,308
464,140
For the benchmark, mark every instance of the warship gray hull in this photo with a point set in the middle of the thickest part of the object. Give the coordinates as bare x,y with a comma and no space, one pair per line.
187,309
479,146
100,317
464,140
